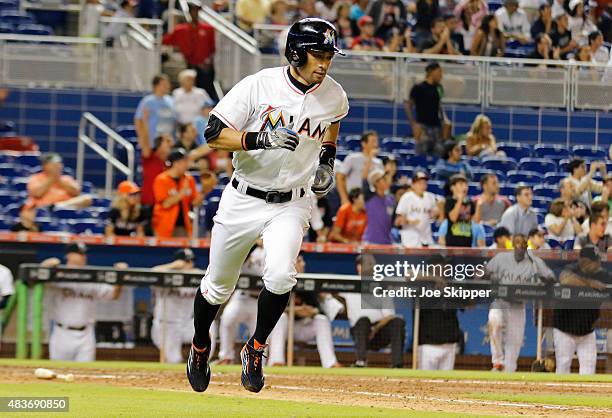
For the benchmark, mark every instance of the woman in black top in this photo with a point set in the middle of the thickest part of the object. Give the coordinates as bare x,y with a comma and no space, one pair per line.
489,41
126,217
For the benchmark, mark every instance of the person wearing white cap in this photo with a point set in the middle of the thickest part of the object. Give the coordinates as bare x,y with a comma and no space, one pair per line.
188,99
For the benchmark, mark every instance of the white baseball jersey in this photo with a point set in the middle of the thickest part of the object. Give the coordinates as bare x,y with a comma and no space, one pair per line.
416,208
6,282
354,311
178,301
75,303
505,269
268,100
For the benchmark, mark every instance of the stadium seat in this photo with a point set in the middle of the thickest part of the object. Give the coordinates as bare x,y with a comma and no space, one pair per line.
19,184
210,207
404,170
546,191
562,166
515,150
223,179
31,159
392,143
539,165
6,28
7,198
499,164
9,4
31,29
353,142
126,131
87,187
473,188
87,226
8,170
70,214
553,179
555,152
16,17
507,189
423,161
101,202
519,176
541,202
12,210
341,154
436,187
589,153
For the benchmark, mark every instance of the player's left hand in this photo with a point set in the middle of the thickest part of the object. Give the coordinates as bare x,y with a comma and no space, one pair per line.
324,180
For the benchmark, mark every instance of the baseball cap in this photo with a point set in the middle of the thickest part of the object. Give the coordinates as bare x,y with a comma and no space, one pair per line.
187,73
374,176
590,252
177,154
420,175
77,247
185,254
51,157
364,20
128,187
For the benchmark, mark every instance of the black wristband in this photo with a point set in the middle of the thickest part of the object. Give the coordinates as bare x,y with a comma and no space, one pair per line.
249,141
327,156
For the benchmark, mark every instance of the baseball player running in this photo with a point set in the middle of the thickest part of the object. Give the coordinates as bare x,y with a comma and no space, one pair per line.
512,267
172,310
282,124
7,288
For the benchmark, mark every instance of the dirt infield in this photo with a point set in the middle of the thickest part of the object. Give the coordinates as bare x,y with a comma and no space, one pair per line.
411,394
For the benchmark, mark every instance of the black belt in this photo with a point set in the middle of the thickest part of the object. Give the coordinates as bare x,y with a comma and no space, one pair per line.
269,197
71,328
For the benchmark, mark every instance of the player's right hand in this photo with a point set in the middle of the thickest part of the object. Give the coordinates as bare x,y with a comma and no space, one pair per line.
278,138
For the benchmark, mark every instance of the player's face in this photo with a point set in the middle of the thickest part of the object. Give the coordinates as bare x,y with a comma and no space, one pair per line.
76,260
317,65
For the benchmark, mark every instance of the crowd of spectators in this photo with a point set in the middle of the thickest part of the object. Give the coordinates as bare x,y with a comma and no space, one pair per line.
466,27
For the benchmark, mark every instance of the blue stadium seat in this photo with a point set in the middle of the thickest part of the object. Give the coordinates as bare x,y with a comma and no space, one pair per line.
7,198
473,162
31,29
8,170
126,131
341,154
9,4
515,150
555,152
16,17
392,143
519,176
564,245
539,165
30,159
101,202
211,207
223,179
422,161
589,153
20,184
554,179
546,191
541,203
436,187
12,210
499,164
404,170
488,228
562,166
87,187
353,142
507,190
87,226
6,28
70,214
473,188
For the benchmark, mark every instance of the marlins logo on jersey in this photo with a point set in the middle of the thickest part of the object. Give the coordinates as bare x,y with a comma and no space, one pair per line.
272,118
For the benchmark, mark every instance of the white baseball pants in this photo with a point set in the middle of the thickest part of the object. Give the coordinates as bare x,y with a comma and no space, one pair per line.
239,222
176,334
506,332
585,346
71,345
241,309
437,356
317,328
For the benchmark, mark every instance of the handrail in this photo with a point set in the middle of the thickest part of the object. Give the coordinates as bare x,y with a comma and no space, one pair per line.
240,37
88,138
50,39
141,40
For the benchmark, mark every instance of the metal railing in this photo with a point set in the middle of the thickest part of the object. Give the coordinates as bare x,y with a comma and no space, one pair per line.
87,137
63,62
149,29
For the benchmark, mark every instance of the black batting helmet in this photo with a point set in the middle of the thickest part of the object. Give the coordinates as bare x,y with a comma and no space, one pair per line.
310,34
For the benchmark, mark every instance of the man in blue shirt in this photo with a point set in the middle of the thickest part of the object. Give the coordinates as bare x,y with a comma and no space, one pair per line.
155,114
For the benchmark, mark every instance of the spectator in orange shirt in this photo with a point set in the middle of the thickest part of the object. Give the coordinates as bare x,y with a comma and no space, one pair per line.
175,194
51,187
351,219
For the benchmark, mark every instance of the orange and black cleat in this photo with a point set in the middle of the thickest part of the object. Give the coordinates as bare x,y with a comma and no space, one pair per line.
198,369
252,369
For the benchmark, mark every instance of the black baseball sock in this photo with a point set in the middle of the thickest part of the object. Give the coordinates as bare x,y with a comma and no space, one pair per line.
203,316
270,307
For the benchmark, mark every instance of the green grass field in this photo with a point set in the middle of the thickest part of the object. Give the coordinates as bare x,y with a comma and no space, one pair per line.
104,399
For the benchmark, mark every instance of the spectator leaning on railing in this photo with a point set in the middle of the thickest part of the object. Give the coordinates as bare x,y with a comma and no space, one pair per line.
489,41
196,41
51,187
175,195
351,219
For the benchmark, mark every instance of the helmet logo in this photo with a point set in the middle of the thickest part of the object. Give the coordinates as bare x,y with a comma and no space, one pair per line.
330,37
